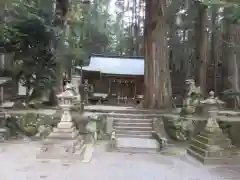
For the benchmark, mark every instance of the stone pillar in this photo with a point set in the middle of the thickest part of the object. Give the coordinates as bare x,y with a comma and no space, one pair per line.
65,140
211,146
86,91
76,80
159,132
109,127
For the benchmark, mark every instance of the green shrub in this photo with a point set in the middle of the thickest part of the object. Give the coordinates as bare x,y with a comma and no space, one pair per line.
30,130
29,123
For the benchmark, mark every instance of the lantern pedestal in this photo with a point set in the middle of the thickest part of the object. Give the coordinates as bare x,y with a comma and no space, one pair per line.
211,146
64,141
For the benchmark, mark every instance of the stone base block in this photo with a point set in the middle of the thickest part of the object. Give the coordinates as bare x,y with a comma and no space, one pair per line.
208,160
63,135
67,130
64,131
210,147
65,125
63,142
4,134
136,145
163,142
62,149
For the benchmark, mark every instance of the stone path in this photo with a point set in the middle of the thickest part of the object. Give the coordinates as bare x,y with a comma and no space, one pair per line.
18,162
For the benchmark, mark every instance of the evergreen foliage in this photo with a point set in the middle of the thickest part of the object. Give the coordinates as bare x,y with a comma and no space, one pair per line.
27,34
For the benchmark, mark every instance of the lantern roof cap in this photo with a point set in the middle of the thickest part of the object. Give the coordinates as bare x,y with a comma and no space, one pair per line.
68,93
69,86
211,100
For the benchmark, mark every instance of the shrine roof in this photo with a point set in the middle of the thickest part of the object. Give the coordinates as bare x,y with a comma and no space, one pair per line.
116,65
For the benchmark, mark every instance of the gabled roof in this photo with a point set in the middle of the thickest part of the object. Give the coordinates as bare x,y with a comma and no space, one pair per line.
116,65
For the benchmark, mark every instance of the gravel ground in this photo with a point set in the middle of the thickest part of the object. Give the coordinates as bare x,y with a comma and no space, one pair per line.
18,162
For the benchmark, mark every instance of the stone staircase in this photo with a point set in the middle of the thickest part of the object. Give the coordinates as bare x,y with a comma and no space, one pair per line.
133,127
134,132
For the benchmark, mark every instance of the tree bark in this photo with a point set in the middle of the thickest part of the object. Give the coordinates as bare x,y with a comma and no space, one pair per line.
214,48
202,48
226,49
157,74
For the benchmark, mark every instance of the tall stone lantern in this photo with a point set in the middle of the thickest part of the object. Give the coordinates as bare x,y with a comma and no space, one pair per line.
211,146
64,140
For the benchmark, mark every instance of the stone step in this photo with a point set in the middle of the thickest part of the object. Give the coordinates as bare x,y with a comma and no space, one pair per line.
137,145
202,145
134,116
143,136
133,120
216,152
137,150
133,132
209,160
123,111
134,128
198,150
204,142
213,136
132,124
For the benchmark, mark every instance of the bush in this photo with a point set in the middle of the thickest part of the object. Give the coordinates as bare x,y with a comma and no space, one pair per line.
29,123
30,130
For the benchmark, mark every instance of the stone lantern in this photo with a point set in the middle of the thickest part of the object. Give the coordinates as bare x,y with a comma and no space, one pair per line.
66,100
211,146
212,105
64,140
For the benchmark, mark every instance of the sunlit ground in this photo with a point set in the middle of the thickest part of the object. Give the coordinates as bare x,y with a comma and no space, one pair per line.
18,162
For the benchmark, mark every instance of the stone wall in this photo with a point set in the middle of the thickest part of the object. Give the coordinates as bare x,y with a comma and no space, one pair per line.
173,128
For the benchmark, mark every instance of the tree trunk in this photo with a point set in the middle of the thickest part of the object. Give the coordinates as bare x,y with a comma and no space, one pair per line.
214,48
148,87
59,47
226,49
157,74
202,48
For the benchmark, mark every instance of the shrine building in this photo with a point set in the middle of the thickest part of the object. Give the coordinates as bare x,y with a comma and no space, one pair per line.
118,79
